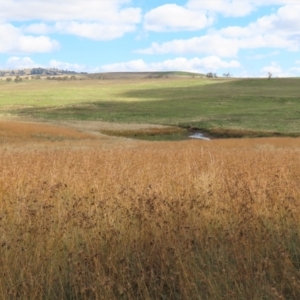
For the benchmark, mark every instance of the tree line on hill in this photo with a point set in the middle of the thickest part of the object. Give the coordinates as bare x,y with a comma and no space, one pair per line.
214,75
20,79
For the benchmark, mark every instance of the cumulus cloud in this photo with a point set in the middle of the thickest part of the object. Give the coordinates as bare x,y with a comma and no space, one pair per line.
38,28
67,66
261,56
172,17
89,30
94,31
201,65
234,8
14,41
213,44
285,21
95,19
274,31
131,66
276,70
57,10
17,63
220,45
196,15
273,68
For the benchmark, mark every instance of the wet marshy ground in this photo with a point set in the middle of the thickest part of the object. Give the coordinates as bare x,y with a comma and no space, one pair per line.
159,134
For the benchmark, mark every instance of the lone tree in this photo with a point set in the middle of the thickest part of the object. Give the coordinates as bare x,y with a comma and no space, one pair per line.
269,75
18,79
211,75
227,75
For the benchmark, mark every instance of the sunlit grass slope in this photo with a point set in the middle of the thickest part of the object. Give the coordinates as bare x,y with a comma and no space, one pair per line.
185,220
268,107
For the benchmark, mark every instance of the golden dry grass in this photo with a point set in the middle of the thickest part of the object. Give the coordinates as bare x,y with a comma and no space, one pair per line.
24,132
184,220
13,130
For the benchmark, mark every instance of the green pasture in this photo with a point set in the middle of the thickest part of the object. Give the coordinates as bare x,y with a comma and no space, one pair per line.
239,104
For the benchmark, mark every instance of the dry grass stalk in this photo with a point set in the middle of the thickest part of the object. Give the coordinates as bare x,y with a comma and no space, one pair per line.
186,220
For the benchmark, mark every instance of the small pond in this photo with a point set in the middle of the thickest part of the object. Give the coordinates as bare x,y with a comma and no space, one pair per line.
176,136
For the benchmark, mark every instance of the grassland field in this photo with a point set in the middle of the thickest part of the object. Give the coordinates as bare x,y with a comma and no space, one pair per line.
221,107
86,215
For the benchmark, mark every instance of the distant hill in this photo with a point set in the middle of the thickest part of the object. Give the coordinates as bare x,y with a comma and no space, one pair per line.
37,71
46,72
140,75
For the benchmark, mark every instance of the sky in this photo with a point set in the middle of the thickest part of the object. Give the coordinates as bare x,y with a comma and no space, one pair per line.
246,38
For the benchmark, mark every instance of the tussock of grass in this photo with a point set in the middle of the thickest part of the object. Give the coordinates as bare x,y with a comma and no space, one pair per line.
187,220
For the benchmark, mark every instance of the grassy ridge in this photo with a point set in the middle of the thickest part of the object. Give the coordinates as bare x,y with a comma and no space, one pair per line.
160,221
257,105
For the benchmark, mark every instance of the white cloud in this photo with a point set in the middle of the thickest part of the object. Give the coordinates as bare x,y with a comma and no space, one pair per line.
17,63
213,44
261,56
131,66
196,15
14,41
207,64
234,8
268,41
286,21
277,31
276,70
89,30
38,28
67,66
112,10
216,44
95,19
56,10
171,17
295,71
94,31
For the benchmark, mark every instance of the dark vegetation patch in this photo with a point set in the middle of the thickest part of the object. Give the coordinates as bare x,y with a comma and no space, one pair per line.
152,134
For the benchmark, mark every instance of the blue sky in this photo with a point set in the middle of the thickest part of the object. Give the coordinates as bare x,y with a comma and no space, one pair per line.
247,38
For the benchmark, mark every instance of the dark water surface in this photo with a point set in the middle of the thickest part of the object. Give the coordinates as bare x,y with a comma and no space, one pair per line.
178,136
